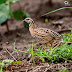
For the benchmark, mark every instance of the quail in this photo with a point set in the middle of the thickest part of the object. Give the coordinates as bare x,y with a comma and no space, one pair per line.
43,35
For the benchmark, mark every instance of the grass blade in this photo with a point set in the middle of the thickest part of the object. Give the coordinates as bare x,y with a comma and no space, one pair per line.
57,10
32,54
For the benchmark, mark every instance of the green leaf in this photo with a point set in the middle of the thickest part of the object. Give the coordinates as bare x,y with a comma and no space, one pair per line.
18,62
26,25
2,1
46,20
42,59
8,61
2,64
11,1
4,13
18,50
65,70
0,61
18,15
25,16
1,69
39,47
32,53
29,49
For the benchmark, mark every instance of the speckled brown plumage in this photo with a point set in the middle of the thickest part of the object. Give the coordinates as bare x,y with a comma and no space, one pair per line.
43,35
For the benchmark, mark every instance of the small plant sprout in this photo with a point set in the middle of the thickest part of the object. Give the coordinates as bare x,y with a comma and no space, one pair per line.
46,20
5,63
32,53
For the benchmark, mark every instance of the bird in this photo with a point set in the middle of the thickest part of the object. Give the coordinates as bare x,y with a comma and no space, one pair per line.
43,35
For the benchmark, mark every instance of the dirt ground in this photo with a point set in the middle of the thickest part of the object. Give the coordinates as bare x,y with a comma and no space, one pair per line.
23,39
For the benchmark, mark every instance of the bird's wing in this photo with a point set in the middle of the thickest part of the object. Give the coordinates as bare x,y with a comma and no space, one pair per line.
44,32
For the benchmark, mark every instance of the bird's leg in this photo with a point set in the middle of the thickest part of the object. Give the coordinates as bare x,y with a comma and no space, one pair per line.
45,45
51,45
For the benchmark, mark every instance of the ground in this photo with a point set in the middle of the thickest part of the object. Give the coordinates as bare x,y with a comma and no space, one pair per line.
23,39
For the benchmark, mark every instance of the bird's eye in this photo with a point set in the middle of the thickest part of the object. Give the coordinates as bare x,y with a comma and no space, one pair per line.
28,19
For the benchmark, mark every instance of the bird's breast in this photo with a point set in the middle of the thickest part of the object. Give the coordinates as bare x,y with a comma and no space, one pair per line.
31,31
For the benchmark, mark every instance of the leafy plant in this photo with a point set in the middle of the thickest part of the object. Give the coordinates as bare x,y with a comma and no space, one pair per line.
46,20
6,13
31,51
2,1
57,54
18,62
26,15
18,15
8,61
65,70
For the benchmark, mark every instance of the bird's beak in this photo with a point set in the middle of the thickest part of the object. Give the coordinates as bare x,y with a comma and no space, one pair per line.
24,20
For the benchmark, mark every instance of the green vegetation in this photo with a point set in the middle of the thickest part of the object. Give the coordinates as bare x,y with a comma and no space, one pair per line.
57,54
32,53
2,1
5,63
6,13
18,14
26,15
18,62
65,70
5,10
57,10
46,20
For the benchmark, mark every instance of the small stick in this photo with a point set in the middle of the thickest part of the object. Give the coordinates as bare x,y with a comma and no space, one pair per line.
3,56
11,55
7,27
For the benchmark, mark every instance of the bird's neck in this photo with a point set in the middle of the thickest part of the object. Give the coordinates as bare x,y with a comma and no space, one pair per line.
32,27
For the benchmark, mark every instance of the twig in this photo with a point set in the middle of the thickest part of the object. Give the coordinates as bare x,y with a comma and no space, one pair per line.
7,27
11,55
4,56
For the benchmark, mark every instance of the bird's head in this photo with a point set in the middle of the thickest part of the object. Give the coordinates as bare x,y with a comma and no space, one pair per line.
28,20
